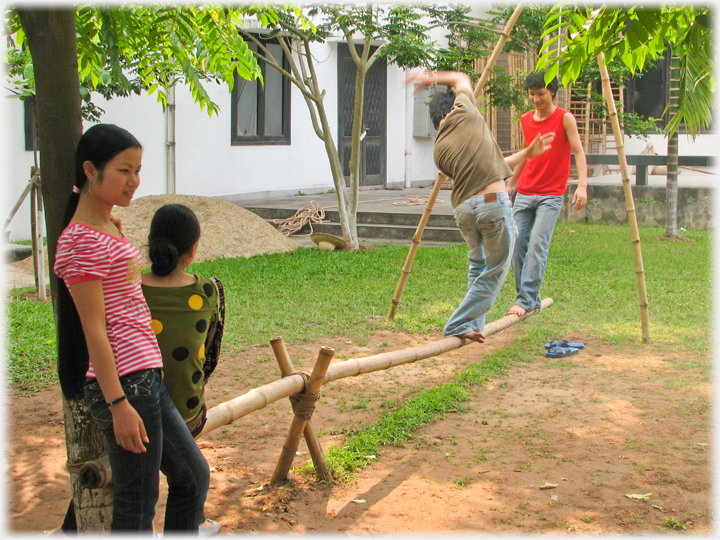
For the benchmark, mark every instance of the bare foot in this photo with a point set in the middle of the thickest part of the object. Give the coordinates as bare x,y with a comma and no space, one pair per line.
517,310
473,336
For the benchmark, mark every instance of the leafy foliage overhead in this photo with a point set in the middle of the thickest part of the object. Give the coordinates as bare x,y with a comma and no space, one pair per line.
125,48
638,35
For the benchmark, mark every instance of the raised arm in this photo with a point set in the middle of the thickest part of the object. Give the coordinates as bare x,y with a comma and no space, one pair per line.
127,424
424,79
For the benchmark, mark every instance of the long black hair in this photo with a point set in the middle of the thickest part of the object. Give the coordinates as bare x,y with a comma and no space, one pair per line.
174,229
99,144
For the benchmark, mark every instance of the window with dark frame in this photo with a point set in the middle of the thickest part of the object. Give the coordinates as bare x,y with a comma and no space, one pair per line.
261,113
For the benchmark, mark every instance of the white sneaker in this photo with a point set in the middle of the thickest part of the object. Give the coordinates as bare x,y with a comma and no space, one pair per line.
209,528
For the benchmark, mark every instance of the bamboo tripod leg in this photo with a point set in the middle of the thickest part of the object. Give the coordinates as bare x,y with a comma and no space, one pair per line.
297,427
313,443
407,267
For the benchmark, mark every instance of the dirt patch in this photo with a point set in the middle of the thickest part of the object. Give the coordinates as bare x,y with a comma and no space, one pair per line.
599,426
603,429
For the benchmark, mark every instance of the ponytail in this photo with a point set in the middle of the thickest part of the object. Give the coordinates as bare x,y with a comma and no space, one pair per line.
174,230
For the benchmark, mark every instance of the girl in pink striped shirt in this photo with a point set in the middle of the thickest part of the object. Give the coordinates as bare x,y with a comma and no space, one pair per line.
120,370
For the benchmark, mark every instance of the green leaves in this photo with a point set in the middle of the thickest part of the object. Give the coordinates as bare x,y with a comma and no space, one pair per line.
123,49
637,35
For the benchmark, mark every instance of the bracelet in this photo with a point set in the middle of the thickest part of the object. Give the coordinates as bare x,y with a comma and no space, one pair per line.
116,401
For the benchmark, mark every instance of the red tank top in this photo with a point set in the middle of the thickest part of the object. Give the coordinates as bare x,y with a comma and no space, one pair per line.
548,173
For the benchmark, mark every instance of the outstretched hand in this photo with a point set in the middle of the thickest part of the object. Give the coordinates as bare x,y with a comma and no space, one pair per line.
422,78
540,144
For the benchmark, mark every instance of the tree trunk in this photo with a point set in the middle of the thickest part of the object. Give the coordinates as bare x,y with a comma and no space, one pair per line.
51,39
671,227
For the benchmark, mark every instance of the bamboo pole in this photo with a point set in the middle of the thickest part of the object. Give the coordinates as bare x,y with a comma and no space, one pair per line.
38,217
292,441
258,398
316,452
632,216
21,200
407,267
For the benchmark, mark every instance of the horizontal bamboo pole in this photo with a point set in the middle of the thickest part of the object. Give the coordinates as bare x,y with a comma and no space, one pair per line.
257,398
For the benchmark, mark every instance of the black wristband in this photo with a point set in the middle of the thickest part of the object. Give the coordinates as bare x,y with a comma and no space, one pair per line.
116,401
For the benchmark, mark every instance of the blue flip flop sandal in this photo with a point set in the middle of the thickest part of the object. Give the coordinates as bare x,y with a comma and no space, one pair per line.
561,352
564,343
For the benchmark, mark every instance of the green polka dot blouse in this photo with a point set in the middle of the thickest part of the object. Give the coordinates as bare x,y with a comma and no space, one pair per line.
181,317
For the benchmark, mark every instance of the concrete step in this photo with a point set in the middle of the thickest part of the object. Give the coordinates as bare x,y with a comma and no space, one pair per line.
377,226
377,218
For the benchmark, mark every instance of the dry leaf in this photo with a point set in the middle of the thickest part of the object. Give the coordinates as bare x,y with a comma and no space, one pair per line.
548,485
638,496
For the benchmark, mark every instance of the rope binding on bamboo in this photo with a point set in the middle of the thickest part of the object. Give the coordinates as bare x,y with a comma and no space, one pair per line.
303,403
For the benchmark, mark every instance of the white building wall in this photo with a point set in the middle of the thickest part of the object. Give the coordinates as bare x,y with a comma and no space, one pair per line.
16,163
142,116
704,145
208,165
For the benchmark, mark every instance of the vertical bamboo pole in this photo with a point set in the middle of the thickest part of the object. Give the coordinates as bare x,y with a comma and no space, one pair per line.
313,443
632,216
297,427
40,231
407,267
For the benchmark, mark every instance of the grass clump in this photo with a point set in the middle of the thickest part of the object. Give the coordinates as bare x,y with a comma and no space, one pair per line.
31,344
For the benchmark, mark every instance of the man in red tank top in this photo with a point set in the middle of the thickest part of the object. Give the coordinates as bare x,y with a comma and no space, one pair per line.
541,183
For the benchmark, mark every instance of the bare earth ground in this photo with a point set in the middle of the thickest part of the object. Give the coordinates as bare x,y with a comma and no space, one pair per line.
600,425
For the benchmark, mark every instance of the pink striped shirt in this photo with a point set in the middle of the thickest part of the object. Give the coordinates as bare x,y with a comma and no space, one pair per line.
86,254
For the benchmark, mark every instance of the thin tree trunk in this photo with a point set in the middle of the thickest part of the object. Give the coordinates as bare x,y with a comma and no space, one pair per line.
51,38
632,216
671,226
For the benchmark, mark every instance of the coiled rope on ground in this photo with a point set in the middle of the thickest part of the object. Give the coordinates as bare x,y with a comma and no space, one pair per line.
314,213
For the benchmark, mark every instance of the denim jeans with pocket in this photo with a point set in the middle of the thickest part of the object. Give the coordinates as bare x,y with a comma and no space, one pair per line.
535,217
489,232
171,450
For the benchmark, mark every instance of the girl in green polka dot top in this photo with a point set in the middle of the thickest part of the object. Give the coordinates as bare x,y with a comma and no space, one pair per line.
188,311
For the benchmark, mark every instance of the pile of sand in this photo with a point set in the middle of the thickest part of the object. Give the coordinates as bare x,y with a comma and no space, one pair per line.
227,230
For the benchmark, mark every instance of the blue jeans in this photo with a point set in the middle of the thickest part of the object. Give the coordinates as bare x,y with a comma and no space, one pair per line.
535,217
171,450
488,230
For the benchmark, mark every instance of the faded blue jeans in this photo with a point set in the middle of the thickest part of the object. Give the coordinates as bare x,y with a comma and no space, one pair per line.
171,450
489,232
535,217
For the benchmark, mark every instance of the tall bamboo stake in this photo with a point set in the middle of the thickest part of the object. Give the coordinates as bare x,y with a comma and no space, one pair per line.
407,267
258,398
316,452
292,441
632,216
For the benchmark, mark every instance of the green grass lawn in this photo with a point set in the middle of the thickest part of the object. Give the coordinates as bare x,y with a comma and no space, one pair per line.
315,295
